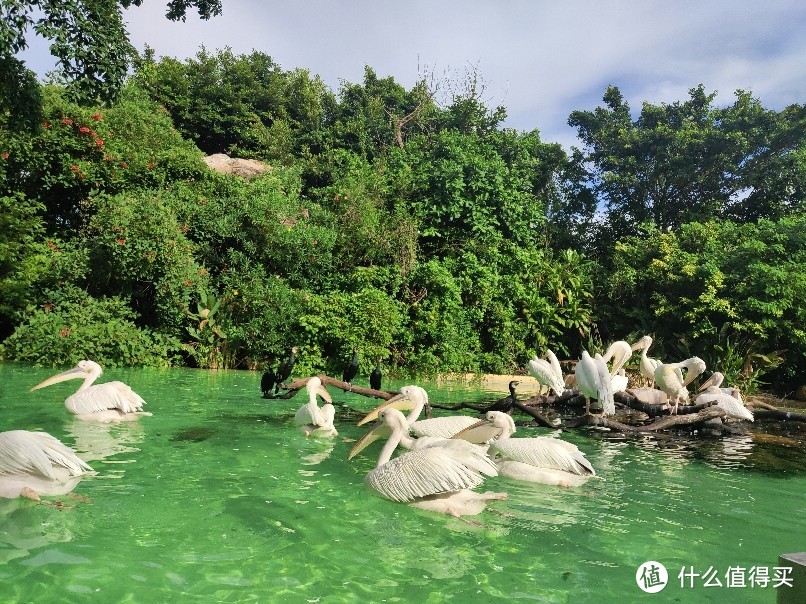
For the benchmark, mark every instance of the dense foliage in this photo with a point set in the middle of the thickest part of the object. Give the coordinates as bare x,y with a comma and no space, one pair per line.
424,234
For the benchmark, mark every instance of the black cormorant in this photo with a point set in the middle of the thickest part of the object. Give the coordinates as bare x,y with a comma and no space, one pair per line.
267,382
351,369
505,404
285,368
375,377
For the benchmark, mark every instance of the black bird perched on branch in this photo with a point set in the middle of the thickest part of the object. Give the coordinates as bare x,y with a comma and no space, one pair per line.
375,377
505,404
267,382
351,369
285,368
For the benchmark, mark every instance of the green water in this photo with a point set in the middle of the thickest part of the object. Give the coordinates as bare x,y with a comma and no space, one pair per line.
218,498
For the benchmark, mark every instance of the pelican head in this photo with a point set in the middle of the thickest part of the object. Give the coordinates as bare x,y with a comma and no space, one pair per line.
378,430
715,380
642,344
496,425
409,398
314,387
695,367
89,371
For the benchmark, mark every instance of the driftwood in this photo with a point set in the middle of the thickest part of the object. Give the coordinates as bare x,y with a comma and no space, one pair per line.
626,399
663,423
298,384
778,414
688,415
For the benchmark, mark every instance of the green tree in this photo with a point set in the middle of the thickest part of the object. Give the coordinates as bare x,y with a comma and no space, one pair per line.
88,38
81,150
708,283
689,160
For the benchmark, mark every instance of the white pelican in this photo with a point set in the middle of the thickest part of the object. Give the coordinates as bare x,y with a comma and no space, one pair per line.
437,477
36,463
647,365
620,352
415,399
547,372
542,459
669,378
312,419
382,430
108,402
594,381
729,399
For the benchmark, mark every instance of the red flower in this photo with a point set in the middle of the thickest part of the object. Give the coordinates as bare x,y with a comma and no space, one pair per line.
123,164
121,241
46,124
150,165
67,121
75,168
99,142
51,245
4,155
96,117
83,130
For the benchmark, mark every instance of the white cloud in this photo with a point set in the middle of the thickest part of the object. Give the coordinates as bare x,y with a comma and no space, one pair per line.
542,60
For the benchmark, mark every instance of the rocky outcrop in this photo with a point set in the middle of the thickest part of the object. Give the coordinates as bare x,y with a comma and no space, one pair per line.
225,164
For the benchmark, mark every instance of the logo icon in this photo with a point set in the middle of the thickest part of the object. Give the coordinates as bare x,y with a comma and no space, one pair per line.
651,577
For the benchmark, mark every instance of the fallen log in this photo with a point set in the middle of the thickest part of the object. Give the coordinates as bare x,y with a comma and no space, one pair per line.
298,384
779,414
663,423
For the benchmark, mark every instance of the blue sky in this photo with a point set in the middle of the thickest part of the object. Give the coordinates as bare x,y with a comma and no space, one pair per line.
540,59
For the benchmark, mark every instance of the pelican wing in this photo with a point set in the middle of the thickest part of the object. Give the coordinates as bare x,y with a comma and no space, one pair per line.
585,373
424,472
310,415
604,386
545,374
36,453
544,453
102,397
733,407
442,427
648,366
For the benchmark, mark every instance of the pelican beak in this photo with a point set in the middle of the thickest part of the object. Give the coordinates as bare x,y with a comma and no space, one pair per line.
71,374
706,384
380,430
481,432
399,401
322,391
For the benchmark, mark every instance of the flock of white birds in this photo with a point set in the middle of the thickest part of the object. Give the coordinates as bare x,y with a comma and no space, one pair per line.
445,458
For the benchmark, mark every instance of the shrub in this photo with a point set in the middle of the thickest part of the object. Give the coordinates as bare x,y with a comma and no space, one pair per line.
72,326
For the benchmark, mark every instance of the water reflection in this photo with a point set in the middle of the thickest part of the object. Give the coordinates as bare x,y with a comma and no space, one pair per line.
28,526
321,451
99,441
